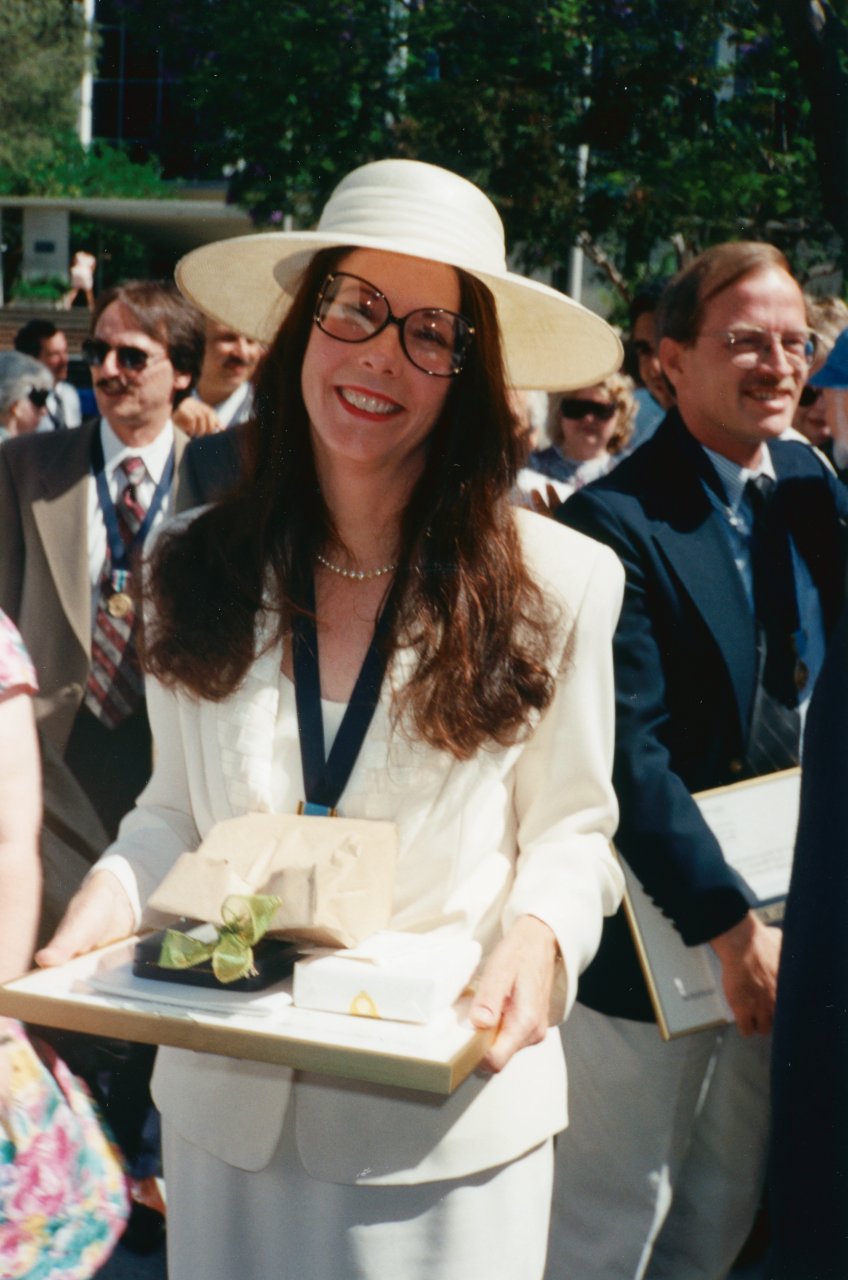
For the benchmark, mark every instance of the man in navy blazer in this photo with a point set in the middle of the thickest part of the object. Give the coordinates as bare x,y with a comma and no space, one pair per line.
661,1169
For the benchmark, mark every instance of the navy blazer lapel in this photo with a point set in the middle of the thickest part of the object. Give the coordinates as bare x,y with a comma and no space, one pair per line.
816,525
690,537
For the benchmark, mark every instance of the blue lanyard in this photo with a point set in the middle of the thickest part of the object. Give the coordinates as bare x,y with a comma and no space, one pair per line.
121,554
325,779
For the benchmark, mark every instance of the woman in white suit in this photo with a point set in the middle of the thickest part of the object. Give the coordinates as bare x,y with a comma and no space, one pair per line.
376,505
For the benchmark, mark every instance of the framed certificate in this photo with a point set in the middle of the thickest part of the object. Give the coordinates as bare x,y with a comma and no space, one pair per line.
755,823
99,994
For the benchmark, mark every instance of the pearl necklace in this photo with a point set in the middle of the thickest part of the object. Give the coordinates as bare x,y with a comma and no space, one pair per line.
357,575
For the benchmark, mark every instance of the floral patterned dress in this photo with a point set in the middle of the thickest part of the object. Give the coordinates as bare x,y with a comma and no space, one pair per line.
63,1198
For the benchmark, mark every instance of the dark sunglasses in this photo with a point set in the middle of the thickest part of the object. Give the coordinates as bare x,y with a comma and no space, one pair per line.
38,397
809,396
130,359
573,408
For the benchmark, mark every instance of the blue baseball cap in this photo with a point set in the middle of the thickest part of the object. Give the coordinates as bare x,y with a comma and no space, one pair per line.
834,371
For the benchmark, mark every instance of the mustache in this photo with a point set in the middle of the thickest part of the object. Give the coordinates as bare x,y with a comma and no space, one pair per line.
110,384
790,386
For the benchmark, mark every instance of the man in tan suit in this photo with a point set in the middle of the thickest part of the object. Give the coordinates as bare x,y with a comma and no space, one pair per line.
67,546
75,510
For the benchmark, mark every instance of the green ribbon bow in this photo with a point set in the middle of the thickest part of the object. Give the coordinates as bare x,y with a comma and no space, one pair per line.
246,920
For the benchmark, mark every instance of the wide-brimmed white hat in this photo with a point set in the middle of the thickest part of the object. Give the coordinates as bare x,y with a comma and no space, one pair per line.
404,206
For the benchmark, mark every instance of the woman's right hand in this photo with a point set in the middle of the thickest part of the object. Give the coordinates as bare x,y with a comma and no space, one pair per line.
99,913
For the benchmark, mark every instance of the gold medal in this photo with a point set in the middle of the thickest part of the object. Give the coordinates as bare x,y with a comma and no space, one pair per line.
119,605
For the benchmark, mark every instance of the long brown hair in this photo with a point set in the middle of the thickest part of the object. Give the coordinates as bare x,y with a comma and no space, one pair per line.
479,625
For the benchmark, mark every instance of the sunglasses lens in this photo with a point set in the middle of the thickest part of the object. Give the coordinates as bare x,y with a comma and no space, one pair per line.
130,359
94,352
133,359
38,397
350,309
809,396
573,408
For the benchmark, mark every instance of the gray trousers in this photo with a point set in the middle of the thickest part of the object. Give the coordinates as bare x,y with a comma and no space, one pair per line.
659,1174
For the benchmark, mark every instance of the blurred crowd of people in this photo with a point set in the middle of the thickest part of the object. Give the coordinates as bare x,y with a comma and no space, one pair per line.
712,464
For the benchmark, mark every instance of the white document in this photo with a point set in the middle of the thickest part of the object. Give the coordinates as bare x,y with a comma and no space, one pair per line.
755,823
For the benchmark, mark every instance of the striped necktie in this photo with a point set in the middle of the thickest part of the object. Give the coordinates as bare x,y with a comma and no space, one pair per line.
115,684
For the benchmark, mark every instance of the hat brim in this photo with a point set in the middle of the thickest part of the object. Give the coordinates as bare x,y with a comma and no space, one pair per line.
550,342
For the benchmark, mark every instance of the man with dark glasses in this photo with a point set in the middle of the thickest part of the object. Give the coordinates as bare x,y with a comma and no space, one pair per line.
75,510
65,559
731,541
43,341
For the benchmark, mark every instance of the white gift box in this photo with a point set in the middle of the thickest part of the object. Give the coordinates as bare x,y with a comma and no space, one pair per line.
404,977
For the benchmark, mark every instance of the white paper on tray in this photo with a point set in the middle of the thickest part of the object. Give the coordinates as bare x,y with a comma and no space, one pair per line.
403,977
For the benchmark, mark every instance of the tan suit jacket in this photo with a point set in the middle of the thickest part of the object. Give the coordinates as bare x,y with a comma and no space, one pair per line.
513,830
44,574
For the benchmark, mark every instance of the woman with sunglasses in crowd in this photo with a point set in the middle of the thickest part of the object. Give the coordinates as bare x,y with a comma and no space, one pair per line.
373,528
25,385
589,431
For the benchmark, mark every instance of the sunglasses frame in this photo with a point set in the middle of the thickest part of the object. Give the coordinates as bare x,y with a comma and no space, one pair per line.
398,321
599,409
130,359
37,396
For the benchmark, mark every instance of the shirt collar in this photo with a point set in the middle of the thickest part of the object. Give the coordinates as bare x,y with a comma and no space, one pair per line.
154,455
734,478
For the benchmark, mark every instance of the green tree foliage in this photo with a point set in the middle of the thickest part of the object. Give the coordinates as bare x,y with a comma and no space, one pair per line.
42,58
42,55
695,117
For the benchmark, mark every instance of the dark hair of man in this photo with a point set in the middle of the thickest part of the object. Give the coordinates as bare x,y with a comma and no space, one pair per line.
645,299
684,300
28,340
479,625
160,311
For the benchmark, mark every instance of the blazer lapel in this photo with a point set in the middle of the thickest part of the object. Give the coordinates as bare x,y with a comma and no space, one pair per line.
60,512
689,536
817,532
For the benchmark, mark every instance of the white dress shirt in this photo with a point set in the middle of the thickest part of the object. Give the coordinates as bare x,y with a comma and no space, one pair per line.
154,456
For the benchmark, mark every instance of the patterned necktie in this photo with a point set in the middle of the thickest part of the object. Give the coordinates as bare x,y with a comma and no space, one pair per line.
775,732
115,685
57,413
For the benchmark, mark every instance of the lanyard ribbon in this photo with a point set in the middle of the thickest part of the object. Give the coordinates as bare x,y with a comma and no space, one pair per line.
325,779
121,553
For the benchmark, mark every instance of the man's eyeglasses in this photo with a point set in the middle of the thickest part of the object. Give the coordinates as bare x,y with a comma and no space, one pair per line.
434,340
808,397
130,359
749,347
572,407
38,397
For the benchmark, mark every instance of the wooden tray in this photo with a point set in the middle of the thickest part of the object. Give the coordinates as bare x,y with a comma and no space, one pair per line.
98,994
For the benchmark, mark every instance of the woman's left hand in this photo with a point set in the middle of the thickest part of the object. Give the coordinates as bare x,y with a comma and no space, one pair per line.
514,990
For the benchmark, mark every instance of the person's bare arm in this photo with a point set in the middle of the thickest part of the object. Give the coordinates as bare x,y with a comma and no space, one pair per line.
20,824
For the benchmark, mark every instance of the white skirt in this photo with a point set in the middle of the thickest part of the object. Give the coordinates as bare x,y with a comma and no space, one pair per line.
230,1224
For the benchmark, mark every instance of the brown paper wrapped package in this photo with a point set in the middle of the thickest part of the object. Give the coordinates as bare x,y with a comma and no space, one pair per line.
335,876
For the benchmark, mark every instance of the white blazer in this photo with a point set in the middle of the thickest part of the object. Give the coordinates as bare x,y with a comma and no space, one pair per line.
514,830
